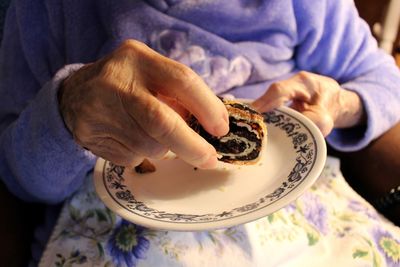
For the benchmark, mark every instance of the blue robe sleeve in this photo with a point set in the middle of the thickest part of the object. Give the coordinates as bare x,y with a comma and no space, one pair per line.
39,160
336,42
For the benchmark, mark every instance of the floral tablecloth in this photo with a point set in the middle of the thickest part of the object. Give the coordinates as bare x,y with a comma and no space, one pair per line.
329,225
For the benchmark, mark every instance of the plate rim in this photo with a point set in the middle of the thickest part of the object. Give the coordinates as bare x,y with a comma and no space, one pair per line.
297,191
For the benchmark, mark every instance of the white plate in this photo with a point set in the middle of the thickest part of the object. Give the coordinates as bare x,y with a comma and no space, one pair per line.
179,197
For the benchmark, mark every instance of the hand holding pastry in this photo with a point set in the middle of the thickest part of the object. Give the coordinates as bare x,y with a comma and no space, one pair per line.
125,107
318,97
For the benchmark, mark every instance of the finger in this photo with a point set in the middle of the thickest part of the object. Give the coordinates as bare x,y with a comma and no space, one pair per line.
137,140
280,93
264,106
316,114
175,105
177,81
321,119
298,105
142,144
122,129
115,152
164,125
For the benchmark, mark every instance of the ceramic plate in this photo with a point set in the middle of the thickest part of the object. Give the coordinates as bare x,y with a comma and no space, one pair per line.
180,197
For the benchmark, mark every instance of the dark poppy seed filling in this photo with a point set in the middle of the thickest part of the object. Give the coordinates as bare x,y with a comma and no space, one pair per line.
246,108
243,143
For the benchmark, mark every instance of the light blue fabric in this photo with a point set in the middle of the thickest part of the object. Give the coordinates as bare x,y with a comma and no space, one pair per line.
238,47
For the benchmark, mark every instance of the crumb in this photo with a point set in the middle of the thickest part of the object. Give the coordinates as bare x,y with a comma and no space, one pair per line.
195,168
145,167
169,155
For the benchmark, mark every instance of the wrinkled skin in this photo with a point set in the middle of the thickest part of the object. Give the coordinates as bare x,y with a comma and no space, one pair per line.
131,104
319,98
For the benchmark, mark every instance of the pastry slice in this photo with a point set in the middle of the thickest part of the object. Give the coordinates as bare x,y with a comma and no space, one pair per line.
246,137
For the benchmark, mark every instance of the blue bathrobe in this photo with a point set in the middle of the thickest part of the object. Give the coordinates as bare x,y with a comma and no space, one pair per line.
238,47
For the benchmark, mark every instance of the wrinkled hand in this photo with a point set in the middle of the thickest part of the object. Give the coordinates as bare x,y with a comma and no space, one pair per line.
129,106
320,98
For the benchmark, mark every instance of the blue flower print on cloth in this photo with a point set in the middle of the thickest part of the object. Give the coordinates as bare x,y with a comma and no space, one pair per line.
127,244
329,225
388,246
220,73
315,212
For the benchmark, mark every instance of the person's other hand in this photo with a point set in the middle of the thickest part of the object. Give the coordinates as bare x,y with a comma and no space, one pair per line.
129,105
320,98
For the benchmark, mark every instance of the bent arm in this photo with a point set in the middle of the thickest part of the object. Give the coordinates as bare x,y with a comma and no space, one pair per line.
39,161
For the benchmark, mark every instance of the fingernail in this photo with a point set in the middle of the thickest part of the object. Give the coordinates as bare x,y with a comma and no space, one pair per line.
222,127
211,163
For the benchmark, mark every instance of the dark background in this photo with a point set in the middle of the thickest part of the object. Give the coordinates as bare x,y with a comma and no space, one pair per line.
17,219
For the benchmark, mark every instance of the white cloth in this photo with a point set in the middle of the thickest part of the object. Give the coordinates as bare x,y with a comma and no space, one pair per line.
329,225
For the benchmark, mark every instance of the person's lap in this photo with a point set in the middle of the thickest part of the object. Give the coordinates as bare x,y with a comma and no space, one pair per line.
330,219
371,172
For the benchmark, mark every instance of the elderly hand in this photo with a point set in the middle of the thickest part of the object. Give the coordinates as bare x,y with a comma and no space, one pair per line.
319,98
127,106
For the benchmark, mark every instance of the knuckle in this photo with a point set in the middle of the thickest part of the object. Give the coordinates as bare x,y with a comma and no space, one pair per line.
165,129
108,68
130,50
201,158
185,71
161,122
307,78
82,132
157,152
186,74
113,72
122,58
303,74
277,88
116,76
94,134
132,44
113,151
